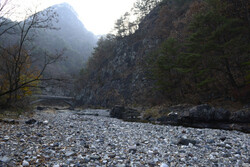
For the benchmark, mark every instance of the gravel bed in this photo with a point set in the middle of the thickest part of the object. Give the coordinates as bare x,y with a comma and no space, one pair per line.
66,138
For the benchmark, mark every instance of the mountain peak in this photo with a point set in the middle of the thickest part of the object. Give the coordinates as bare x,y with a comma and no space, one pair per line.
64,7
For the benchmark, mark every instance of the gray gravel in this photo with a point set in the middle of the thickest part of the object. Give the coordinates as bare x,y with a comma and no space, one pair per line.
66,138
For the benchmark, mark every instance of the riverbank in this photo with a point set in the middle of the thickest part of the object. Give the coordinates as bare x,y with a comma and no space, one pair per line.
197,116
71,138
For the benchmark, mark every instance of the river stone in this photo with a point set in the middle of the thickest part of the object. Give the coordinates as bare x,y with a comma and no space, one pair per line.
70,153
6,138
40,108
85,160
112,155
9,121
25,163
186,142
30,122
5,159
132,149
95,157
164,165
45,122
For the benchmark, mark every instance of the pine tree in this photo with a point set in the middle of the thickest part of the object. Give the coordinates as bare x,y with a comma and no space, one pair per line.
218,46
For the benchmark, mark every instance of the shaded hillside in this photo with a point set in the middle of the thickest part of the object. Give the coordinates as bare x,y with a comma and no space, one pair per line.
144,68
70,35
37,52
121,78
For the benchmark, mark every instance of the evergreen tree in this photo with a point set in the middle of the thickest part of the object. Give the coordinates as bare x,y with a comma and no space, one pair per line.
218,47
164,69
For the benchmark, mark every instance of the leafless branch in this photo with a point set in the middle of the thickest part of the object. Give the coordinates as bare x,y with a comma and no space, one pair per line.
16,58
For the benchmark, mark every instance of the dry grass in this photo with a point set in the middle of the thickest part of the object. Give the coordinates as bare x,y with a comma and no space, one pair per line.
15,113
50,111
154,112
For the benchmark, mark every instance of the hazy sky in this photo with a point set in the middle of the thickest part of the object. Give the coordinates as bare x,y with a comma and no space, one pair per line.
98,16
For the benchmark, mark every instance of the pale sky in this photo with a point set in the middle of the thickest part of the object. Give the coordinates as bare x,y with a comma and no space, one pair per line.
98,16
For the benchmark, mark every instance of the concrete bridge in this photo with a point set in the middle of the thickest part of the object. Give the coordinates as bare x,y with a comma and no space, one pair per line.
48,98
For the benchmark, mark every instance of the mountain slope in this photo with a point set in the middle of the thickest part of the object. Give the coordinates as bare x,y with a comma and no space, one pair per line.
185,51
122,78
71,35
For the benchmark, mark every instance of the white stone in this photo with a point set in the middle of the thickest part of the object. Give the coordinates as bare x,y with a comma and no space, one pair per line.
183,159
245,165
46,122
164,165
80,156
211,157
5,138
69,153
182,155
5,159
150,152
25,163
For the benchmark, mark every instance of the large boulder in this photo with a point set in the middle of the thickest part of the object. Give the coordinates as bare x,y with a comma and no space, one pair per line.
117,112
241,116
204,113
131,114
221,115
121,112
205,116
171,118
200,113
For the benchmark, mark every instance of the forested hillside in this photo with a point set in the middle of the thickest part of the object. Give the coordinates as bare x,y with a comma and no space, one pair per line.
160,52
177,51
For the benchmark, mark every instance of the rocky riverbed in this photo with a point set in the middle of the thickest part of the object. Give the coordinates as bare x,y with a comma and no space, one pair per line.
71,138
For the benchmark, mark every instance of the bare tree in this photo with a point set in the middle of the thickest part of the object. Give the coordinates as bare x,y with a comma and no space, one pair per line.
5,12
17,73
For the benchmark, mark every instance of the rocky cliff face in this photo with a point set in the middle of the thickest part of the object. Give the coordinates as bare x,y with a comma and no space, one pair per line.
122,79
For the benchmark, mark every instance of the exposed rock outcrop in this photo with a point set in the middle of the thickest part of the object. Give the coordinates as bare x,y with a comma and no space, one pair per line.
205,116
122,79
241,116
125,113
